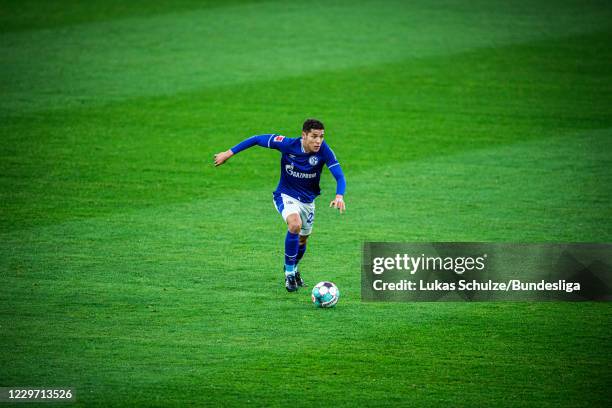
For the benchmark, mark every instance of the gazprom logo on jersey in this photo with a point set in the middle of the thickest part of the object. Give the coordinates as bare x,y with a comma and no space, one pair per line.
291,172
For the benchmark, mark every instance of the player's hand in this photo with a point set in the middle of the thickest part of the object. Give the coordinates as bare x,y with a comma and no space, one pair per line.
222,157
338,203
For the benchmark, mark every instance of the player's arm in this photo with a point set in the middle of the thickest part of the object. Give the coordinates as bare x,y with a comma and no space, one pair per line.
260,140
338,202
336,171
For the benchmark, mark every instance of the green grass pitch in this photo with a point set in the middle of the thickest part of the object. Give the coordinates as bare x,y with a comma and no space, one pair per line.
134,271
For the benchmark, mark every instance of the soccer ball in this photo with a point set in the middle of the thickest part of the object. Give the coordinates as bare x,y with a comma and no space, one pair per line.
325,294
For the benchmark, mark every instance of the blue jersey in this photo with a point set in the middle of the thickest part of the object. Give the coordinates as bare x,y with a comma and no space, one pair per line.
300,171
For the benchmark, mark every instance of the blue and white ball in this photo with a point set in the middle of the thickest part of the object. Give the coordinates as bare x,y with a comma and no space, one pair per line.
325,294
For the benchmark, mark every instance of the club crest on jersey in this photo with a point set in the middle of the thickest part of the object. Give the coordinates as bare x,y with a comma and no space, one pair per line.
278,138
313,160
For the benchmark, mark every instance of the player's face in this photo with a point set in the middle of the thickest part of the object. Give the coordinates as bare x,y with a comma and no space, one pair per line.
312,140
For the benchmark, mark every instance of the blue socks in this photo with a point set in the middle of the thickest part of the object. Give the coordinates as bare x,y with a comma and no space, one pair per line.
292,243
293,252
301,250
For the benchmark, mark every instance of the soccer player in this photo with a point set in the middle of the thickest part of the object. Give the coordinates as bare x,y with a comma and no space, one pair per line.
301,163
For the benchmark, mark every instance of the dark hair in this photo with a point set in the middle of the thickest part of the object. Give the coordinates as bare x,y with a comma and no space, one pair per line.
312,124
